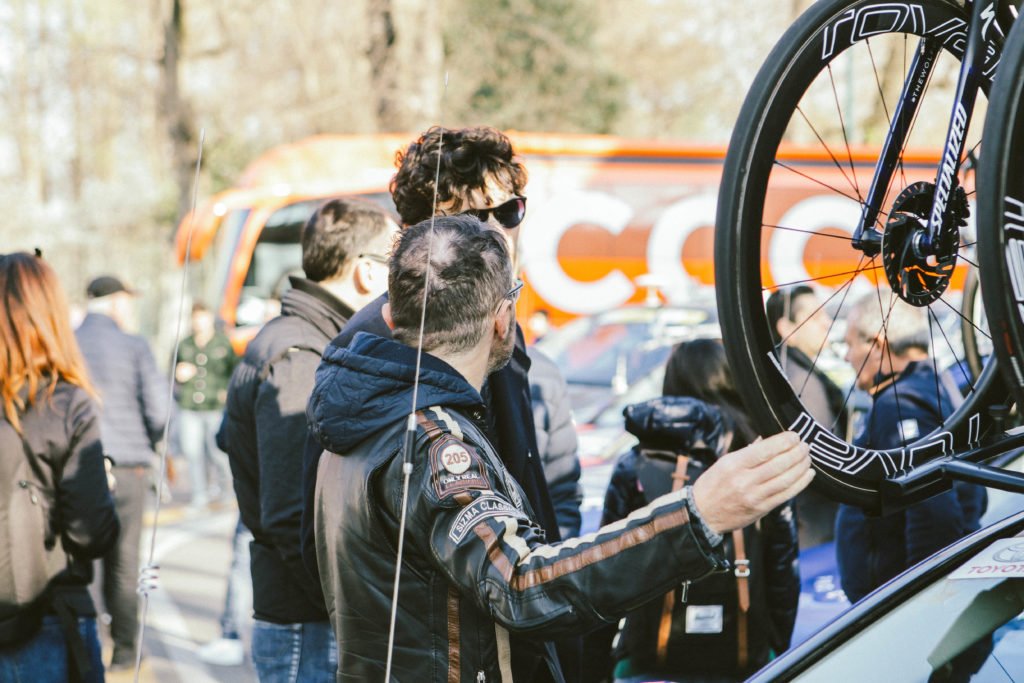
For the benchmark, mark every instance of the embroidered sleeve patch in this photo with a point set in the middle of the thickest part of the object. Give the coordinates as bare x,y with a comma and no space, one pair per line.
455,467
480,509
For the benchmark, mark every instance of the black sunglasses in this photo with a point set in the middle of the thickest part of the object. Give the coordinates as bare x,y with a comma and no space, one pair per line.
509,215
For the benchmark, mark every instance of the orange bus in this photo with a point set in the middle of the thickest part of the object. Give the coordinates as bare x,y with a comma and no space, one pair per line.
603,211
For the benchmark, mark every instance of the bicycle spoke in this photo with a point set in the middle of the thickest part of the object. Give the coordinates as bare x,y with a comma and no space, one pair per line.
820,307
828,151
808,232
961,364
820,182
881,94
935,360
893,298
842,125
814,361
964,317
820,278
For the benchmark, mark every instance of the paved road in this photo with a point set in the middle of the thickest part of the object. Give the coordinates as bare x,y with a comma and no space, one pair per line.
194,556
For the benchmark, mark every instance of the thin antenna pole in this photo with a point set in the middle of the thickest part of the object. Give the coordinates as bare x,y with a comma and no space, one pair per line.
410,428
149,573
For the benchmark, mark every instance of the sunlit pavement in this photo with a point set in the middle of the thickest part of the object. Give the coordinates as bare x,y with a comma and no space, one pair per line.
193,551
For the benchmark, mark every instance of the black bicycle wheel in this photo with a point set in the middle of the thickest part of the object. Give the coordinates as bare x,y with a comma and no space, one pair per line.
1001,213
815,120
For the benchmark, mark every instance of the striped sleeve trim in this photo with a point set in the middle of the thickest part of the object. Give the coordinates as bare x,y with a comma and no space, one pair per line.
657,522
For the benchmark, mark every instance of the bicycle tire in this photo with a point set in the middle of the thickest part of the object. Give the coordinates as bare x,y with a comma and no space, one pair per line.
1001,213
819,37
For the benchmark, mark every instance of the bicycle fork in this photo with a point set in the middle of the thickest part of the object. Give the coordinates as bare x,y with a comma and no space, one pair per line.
985,33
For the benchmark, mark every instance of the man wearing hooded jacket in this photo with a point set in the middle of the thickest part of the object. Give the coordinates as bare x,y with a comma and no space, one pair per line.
344,247
481,591
887,346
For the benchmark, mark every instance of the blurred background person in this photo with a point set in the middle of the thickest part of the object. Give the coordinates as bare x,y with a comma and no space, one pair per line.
201,372
133,401
799,327
909,401
724,627
538,325
50,439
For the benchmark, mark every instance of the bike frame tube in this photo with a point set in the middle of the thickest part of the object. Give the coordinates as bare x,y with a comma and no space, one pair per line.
971,68
913,87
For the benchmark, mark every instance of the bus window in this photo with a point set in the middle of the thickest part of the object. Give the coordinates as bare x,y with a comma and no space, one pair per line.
225,246
277,255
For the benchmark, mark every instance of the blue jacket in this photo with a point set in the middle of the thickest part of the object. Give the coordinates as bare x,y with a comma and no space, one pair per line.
378,373
872,550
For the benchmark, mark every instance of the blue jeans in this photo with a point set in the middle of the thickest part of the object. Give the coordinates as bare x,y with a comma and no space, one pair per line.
44,658
238,600
290,653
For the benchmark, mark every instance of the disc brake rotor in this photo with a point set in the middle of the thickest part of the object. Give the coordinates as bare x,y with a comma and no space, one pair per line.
918,278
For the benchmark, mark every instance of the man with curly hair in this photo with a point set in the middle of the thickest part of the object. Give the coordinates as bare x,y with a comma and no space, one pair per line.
479,175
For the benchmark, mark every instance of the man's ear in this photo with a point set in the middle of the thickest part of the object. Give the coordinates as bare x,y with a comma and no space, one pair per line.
360,275
784,327
385,312
502,319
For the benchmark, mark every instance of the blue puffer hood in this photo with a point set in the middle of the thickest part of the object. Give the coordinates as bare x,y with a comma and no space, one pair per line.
367,387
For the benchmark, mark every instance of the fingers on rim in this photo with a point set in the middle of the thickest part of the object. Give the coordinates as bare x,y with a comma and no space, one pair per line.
775,445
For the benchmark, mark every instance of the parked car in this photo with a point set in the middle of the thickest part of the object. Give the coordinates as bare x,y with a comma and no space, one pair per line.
957,616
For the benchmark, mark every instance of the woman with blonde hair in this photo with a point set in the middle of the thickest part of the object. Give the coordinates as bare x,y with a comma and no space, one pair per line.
56,512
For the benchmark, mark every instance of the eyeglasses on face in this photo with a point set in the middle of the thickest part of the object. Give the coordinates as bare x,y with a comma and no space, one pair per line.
509,215
512,294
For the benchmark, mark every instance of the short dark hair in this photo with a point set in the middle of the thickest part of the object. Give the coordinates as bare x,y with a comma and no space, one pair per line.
336,233
470,271
780,305
468,156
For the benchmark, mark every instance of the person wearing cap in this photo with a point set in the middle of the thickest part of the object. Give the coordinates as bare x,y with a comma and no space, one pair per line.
133,409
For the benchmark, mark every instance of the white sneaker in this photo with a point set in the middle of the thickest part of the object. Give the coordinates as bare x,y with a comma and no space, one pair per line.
223,652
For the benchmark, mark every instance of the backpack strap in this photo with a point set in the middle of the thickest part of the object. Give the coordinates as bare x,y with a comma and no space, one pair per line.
679,479
742,573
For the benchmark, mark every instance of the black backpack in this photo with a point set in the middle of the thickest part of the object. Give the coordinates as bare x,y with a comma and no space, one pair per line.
30,551
717,626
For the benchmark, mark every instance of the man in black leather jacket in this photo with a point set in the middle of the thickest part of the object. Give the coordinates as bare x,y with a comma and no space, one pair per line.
481,590
479,174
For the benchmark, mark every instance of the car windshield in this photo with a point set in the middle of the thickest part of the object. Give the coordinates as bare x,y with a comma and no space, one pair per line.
967,626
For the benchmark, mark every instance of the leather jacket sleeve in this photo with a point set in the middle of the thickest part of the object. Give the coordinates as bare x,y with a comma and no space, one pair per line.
469,514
